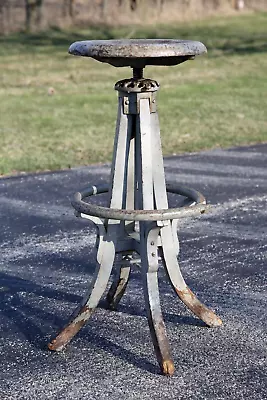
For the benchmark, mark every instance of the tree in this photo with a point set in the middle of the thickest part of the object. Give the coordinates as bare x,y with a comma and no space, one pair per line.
104,6
33,10
133,5
5,16
68,8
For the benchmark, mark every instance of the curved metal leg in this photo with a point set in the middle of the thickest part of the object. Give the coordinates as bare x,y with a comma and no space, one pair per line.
118,286
107,245
170,244
184,292
106,255
149,239
152,302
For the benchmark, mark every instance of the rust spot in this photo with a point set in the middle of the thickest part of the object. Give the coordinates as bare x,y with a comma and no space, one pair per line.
199,309
85,309
186,292
168,367
65,336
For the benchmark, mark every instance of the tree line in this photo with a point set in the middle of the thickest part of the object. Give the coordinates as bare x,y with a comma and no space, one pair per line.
33,10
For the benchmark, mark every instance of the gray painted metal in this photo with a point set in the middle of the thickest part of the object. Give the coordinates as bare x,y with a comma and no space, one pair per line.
137,53
150,265
196,205
138,220
119,284
107,246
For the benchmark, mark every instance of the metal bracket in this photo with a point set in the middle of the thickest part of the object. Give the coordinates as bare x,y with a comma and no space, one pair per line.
131,102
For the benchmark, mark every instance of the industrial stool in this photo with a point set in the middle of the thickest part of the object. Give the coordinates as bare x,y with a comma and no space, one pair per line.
138,228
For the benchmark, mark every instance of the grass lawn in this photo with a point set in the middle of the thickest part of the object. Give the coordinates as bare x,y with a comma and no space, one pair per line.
218,100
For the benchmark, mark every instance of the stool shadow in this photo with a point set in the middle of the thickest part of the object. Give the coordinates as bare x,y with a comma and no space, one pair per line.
24,317
120,352
23,314
173,318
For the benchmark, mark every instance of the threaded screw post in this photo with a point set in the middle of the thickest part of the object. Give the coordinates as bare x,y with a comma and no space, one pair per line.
138,73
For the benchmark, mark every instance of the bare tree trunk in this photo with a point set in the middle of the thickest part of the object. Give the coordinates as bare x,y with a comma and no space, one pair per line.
133,4
104,5
28,11
5,16
33,10
71,8
68,8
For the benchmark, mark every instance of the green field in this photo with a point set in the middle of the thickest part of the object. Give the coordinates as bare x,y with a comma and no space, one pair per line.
218,100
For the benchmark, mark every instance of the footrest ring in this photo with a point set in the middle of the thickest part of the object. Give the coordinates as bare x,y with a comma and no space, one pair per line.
196,205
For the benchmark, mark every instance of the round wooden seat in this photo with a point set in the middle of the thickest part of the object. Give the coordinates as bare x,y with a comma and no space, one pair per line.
137,53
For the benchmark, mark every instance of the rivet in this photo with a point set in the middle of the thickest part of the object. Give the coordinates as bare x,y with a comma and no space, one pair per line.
126,101
153,254
152,243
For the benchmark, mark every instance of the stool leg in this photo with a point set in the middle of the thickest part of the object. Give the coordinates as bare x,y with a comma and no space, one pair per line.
121,279
118,286
179,285
95,292
149,257
169,242
107,247
148,240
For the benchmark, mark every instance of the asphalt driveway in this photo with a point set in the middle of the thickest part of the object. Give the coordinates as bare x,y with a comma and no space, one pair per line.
46,264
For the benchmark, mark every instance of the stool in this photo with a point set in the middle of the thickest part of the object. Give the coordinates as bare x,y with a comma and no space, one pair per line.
138,228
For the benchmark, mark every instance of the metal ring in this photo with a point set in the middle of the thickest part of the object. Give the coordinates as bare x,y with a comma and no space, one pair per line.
196,206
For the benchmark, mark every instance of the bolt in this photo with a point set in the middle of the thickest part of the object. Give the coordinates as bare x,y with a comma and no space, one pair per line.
154,101
126,101
152,243
153,254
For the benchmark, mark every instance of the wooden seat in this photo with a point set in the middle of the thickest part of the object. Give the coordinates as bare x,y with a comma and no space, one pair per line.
137,53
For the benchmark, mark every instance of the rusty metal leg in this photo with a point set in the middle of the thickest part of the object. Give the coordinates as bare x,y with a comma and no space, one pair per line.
170,244
91,300
107,245
178,283
118,286
149,238
151,293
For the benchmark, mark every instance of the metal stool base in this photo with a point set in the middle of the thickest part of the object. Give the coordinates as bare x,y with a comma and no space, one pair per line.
138,227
